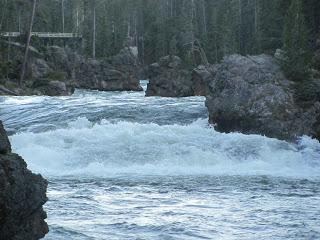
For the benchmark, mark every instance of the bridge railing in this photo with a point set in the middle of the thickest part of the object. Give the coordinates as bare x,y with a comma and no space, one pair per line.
42,34
10,34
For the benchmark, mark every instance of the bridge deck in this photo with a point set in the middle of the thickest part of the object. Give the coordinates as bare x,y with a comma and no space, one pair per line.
42,35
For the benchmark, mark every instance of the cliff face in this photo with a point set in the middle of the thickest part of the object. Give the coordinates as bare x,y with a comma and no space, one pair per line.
22,195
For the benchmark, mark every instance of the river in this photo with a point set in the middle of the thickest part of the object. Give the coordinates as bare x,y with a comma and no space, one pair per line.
122,166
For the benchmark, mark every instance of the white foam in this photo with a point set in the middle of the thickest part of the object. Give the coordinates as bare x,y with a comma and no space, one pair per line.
106,149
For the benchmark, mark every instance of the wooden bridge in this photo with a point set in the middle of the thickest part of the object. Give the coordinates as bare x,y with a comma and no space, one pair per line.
42,35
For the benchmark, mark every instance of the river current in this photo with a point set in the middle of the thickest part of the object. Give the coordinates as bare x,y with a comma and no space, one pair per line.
122,166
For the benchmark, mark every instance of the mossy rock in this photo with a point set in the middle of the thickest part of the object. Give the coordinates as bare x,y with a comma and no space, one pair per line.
57,75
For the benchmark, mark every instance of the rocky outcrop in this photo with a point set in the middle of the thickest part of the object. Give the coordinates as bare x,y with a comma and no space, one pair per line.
5,146
115,74
44,86
22,195
58,71
167,78
200,79
251,95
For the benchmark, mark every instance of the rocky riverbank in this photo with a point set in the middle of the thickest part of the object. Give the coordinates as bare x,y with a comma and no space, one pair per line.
247,94
58,71
22,196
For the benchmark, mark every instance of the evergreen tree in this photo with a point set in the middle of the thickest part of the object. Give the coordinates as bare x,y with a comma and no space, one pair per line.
297,60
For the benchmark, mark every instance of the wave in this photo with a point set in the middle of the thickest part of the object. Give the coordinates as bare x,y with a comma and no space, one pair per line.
107,149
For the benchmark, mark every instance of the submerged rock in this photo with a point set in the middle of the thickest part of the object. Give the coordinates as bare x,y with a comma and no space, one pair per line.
22,195
251,95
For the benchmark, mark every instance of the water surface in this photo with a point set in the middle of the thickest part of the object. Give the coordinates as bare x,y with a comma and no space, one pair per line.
122,166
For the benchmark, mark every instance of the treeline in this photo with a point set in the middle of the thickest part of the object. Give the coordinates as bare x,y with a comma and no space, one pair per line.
196,30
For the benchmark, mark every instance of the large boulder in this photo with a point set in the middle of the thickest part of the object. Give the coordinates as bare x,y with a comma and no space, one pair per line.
200,79
167,78
22,195
127,56
63,59
39,68
251,95
49,87
101,75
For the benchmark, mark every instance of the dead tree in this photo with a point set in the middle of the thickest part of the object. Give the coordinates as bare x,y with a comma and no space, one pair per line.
23,70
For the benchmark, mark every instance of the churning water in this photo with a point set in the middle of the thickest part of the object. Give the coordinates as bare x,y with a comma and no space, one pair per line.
122,166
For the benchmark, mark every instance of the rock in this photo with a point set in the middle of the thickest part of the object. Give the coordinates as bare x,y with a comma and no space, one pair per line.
167,78
119,74
251,95
127,56
52,88
58,88
39,68
101,75
65,65
200,79
280,55
22,195
5,91
170,62
5,146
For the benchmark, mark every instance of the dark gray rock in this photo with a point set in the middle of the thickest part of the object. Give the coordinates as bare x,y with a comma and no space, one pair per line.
58,88
22,195
5,146
127,56
251,95
167,78
39,68
117,74
201,77
49,87
100,75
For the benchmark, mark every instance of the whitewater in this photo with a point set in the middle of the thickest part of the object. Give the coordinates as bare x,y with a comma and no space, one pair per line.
123,166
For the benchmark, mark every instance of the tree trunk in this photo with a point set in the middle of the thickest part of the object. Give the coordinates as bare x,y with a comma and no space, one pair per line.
62,14
94,31
23,70
3,13
77,20
205,29
240,25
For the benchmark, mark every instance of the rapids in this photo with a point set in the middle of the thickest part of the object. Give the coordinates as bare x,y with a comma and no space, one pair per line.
122,166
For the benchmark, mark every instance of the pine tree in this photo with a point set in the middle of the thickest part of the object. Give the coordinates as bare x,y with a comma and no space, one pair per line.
296,45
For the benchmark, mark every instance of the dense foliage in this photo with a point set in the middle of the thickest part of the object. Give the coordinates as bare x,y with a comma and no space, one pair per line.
196,30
